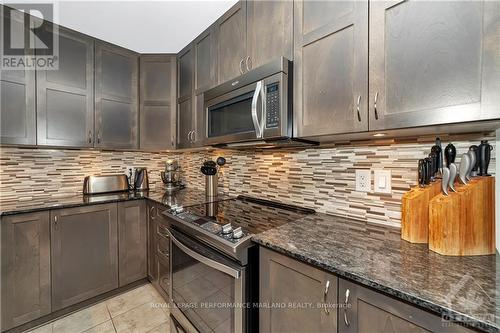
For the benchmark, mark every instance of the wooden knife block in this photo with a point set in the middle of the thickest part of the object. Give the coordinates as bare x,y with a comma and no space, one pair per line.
463,223
415,212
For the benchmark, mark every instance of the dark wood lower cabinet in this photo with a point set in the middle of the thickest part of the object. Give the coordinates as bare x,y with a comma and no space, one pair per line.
84,253
304,291
152,261
367,311
25,269
132,241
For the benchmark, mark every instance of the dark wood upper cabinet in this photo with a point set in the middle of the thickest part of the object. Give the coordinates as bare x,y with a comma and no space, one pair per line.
433,63
157,101
330,67
65,97
116,97
269,32
25,269
17,95
186,120
84,253
132,241
231,42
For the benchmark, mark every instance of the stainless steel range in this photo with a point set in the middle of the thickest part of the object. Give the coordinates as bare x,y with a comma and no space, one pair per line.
214,264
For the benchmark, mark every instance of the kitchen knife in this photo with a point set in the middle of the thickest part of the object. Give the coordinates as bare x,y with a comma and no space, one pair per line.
434,165
428,171
439,153
464,168
450,152
445,180
475,166
421,173
472,156
453,175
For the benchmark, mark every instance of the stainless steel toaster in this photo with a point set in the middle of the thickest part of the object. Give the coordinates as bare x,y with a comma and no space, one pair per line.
105,184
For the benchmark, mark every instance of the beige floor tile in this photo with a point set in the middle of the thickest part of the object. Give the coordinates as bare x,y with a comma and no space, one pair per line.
140,319
42,329
129,300
106,327
163,328
82,320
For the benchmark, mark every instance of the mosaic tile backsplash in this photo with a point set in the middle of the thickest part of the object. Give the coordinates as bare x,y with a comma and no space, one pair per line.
319,178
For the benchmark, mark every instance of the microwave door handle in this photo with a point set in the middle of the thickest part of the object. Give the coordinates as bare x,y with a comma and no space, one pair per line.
207,261
255,117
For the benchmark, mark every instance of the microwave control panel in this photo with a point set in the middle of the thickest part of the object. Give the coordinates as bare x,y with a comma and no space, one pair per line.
272,105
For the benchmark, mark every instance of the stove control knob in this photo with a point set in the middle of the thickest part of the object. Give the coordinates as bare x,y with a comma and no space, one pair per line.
237,233
227,229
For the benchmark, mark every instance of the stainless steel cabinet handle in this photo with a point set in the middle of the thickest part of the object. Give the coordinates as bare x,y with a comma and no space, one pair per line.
247,61
327,286
346,303
56,224
255,118
151,213
193,136
241,64
90,136
99,136
189,136
375,105
357,108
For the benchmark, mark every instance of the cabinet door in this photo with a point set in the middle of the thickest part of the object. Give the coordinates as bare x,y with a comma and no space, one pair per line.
363,310
330,67
185,63
25,275
132,241
157,101
205,61
84,253
311,286
269,31
65,97
231,42
17,94
152,261
116,101
185,122
433,62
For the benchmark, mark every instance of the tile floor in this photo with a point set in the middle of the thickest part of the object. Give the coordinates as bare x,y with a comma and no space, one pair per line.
133,312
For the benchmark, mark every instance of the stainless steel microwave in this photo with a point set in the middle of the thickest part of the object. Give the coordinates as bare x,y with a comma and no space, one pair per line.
252,109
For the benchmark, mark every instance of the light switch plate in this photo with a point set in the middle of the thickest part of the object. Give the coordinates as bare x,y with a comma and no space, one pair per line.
363,180
382,181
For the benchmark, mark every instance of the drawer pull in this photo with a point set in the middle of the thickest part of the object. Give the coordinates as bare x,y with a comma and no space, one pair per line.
327,287
346,303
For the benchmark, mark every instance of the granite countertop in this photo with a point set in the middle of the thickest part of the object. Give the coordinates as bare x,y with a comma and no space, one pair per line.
464,288
184,197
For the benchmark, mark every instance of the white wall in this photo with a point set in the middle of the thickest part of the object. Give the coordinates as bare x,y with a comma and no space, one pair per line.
164,26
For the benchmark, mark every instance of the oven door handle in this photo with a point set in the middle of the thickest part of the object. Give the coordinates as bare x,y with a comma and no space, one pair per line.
255,118
207,261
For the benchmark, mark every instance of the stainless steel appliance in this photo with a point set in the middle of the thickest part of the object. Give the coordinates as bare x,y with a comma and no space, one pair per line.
171,177
254,109
105,184
141,181
213,262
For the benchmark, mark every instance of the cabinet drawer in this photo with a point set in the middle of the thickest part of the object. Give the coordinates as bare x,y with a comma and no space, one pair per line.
162,231
164,274
163,248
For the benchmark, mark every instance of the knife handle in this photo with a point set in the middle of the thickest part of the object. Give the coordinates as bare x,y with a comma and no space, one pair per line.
421,173
428,171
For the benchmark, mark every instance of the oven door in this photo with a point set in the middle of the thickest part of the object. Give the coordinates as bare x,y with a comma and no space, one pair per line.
253,112
207,289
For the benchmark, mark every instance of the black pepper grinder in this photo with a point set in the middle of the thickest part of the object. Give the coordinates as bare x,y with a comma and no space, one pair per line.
484,157
450,153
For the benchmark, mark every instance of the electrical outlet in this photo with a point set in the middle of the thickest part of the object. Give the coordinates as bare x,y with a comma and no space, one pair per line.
382,181
363,180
